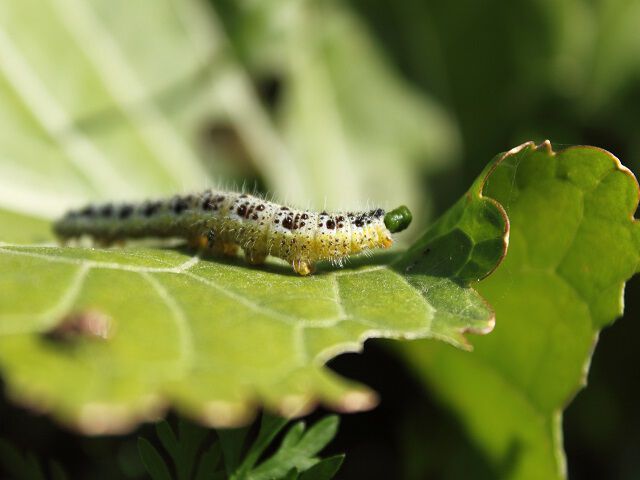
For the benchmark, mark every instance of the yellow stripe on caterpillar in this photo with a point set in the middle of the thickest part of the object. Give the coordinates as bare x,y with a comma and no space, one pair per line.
222,222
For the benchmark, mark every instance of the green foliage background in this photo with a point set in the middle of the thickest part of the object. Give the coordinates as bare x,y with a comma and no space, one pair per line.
399,102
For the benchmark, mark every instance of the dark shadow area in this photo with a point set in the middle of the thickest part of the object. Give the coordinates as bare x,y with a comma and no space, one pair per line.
278,266
36,435
602,425
444,256
409,435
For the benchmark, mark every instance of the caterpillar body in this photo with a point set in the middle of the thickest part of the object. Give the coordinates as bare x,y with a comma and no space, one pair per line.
223,222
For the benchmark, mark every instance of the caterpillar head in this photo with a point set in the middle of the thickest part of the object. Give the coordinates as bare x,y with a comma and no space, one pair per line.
398,219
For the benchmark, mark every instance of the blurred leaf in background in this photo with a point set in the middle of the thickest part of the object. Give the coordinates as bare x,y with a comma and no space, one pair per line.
106,97
357,130
565,70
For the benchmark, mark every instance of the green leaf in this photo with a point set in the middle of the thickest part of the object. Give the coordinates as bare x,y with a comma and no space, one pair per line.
270,426
573,244
209,462
324,469
215,339
232,443
299,455
206,335
318,436
183,449
210,335
190,443
294,434
153,461
167,437
296,452
21,228
291,475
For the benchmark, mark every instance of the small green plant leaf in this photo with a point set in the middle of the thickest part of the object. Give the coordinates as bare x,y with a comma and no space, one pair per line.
190,442
232,442
299,455
291,475
153,461
184,448
318,436
294,434
270,426
208,467
239,452
166,436
573,244
324,469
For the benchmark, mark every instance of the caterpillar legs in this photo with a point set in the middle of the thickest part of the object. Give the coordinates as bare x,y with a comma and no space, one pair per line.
198,243
208,244
224,248
255,257
303,267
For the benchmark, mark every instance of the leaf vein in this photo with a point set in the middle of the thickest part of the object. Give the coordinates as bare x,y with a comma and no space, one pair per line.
51,316
181,321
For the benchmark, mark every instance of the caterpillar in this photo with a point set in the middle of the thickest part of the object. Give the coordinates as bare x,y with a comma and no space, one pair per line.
223,222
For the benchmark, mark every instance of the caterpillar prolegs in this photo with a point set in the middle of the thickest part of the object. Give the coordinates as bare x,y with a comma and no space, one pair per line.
222,222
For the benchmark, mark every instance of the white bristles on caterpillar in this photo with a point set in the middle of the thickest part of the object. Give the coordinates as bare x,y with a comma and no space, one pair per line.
225,221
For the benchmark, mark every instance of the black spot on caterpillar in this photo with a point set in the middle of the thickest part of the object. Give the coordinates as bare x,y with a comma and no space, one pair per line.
226,221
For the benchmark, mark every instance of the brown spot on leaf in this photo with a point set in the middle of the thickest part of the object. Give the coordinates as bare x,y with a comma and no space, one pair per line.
89,324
